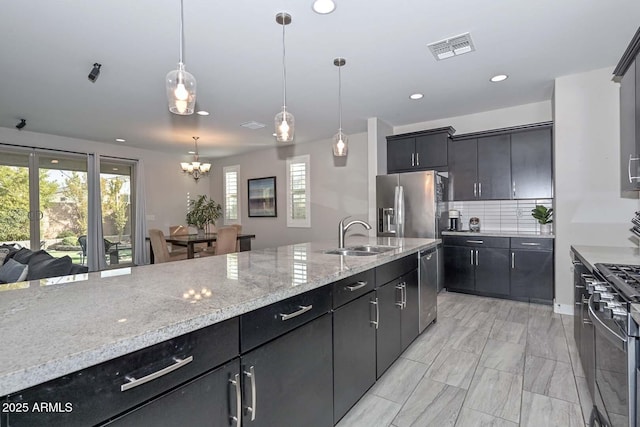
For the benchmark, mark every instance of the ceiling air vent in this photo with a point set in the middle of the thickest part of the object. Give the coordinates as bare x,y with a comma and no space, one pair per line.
252,125
452,46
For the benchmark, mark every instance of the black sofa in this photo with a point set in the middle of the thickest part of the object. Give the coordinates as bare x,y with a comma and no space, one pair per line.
41,264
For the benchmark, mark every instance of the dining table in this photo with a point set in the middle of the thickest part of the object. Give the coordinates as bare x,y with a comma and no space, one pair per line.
190,240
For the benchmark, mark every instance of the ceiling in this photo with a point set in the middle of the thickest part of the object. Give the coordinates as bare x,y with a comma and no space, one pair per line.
234,50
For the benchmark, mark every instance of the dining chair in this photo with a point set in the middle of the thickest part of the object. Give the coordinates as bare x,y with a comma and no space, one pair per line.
226,241
180,230
160,250
238,228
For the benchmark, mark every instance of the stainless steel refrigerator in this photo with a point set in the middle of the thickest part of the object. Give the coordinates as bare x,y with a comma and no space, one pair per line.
414,205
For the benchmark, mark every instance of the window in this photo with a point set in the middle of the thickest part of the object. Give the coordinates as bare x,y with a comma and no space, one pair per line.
298,192
231,175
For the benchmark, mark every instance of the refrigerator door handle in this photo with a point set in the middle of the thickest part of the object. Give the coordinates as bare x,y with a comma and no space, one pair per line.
398,203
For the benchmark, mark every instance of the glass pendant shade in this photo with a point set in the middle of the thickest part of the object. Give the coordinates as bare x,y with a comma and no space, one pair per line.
340,144
285,126
181,91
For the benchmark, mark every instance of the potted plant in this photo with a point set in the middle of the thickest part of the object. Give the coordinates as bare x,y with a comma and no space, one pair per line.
202,212
544,217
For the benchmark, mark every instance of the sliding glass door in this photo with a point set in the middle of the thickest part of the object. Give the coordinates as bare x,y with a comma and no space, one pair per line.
115,187
15,199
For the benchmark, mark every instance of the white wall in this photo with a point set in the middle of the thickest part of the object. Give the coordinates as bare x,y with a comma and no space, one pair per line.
167,188
588,207
486,120
338,188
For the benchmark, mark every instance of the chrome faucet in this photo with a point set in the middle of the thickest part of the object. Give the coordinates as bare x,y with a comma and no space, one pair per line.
342,229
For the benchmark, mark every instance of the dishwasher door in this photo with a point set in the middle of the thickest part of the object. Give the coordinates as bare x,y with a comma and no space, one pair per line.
428,287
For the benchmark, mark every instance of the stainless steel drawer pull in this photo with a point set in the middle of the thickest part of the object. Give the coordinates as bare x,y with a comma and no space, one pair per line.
513,260
476,257
475,241
135,382
360,284
400,304
377,321
236,383
471,251
417,159
475,189
252,376
579,287
632,159
530,244
303,309
480,189
412,159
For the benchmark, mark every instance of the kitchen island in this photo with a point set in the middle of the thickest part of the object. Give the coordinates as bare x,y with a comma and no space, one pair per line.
55,327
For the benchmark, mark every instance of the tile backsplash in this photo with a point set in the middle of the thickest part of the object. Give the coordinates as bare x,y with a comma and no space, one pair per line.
501,215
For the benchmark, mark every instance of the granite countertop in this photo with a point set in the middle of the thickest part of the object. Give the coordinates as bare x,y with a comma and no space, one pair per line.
590,255
527,234
52,327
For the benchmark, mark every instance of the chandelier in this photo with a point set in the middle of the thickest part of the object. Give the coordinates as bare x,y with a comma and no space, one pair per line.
195,168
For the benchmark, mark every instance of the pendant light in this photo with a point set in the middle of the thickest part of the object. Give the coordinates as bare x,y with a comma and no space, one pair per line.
181,85
284,121
195,168
340,140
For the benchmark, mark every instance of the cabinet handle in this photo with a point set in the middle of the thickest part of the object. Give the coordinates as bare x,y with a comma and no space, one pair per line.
632,159
399,304
252,376
530,244
404,293
412,159
514,189
477,257
587,322
475,241
579,287
360,284
133,382
578,303
236,383
480,189
377,321
471,251
417,159
303,309
475,190
513,260
585,301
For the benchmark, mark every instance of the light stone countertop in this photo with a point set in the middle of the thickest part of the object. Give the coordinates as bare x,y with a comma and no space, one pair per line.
52,327
498,234
590,255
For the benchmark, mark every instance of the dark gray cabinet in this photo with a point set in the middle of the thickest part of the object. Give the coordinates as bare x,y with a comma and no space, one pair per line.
503,164
459,267
425,150
389,341
492,271
532,270
409,311
531,168
627,73
291,378
354,352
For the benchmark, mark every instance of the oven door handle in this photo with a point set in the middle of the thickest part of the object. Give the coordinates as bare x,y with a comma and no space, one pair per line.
616,339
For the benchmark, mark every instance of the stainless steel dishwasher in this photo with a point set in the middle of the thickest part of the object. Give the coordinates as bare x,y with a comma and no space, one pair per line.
428,290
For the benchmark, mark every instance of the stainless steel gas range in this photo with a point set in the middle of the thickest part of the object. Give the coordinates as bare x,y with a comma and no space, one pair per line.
609,341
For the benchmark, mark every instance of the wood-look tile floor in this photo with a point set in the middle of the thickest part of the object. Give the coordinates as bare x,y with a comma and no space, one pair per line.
485,362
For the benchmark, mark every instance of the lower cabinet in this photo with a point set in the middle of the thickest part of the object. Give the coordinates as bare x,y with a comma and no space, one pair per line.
410,310
459,267
532,275
492,271
354,352
389,342
211,400
289,381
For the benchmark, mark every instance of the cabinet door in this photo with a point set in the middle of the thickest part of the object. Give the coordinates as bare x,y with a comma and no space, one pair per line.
463,169
210,400
388,342
354,353
400,154
431,151
459,267
494,167
532,275
292,377
531,164
492,271
629,110
410,313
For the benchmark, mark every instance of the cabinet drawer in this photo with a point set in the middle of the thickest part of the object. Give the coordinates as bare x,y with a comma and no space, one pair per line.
264,324
536,244
352,287
95,393
392,270
477,241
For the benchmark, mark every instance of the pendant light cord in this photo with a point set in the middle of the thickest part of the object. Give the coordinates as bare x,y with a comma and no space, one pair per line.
181,28
195,138
284,66
340,95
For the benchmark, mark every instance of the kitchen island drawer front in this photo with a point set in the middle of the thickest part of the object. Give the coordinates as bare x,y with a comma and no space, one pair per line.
353,287
262,325
477,241
392,270
94,394
536,244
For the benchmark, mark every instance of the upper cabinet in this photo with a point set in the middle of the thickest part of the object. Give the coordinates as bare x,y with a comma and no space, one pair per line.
514,163
426,150
628,74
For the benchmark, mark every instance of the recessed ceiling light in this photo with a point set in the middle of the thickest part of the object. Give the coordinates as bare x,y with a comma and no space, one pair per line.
192,152
275,134
202,113
416,96
54,161
120,140
324,6
499,78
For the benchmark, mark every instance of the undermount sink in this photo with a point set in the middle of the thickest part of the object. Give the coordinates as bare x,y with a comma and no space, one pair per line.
362,250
